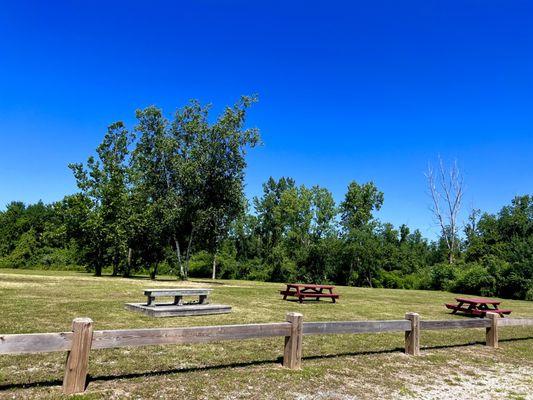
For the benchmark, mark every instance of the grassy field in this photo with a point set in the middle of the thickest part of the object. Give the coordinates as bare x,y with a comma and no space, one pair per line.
453,364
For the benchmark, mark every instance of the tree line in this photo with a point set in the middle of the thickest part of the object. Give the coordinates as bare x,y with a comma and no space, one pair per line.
166,197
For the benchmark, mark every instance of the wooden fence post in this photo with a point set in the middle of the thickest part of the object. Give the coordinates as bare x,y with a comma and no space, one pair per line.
292,355
412,337
78,356
492,331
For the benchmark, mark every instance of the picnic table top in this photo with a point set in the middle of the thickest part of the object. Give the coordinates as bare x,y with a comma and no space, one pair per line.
310,286
476,300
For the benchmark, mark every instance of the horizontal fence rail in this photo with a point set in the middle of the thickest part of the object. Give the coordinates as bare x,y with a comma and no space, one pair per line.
203,334
454,324
82,339
323,328
35,343
515,322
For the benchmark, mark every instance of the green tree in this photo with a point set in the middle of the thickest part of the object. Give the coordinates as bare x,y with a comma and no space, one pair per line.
192,171
359,204
360,259
105,182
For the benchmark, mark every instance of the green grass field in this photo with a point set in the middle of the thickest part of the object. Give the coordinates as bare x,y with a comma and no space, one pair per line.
453,364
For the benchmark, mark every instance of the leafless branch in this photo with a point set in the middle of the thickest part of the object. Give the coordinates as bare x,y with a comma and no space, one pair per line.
446,196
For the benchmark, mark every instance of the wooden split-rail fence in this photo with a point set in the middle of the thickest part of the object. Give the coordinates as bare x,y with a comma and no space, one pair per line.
82,339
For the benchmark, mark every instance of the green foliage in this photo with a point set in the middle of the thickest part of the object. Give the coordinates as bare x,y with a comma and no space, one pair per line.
359,203
189,176
167,197
474,279
443,276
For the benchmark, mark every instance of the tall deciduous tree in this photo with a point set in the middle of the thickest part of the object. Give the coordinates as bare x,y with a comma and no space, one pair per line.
105,182
191,171
359,204
356,218
446,188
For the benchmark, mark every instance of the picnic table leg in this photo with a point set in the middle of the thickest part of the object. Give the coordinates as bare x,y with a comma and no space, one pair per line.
458,306
320,291
150,301
298,294
178,300
203,299
497,310
331,292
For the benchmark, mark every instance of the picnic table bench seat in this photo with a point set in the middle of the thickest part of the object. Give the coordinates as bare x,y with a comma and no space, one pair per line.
178,294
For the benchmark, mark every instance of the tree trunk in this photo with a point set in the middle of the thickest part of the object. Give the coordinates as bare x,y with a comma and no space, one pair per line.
115,265
369,279
153,272
188,255
127,271
214,265
98,265
178,254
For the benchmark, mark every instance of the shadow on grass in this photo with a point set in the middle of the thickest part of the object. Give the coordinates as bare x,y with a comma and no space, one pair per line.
279,360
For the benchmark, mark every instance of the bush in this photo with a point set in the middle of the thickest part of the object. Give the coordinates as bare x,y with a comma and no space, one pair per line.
258,271
227,266
442,276
513,284
475,279
390,279
58,258
200,265
529,293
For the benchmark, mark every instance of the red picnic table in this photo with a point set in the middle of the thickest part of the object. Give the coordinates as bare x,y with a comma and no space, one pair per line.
476,306
303,290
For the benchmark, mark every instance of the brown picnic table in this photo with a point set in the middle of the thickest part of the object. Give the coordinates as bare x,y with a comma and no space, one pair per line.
303,291
477,306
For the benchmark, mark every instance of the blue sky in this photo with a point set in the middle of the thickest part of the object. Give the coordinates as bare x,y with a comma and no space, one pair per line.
348,90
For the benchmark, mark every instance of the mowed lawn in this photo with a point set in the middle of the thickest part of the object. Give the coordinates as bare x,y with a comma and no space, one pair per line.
453,364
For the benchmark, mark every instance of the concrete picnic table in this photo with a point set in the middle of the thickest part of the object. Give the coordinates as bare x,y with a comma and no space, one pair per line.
178,294
477,306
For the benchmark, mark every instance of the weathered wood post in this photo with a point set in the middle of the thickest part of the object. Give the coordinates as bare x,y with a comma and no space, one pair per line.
492,331
292,355
78,357
412,337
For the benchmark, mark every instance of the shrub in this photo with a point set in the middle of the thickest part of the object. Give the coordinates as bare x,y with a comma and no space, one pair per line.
442,276
475,279
529,293
258,271
200,265
390,279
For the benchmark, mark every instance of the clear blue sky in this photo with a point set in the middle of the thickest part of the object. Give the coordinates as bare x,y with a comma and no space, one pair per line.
360,91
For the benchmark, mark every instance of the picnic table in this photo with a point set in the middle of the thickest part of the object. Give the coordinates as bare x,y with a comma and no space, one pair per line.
303,290
178,294
477,306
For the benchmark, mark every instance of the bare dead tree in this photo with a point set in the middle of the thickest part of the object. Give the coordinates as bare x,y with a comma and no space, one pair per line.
446,187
